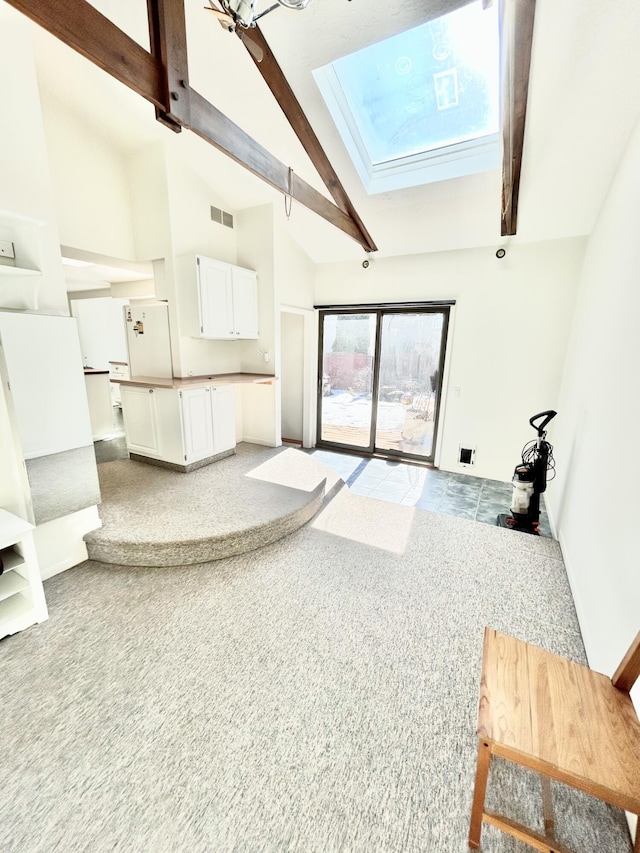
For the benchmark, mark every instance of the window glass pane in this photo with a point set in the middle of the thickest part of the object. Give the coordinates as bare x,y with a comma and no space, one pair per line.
409,382
347,380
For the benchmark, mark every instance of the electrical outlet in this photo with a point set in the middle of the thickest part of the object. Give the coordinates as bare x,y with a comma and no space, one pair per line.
466,456
6,249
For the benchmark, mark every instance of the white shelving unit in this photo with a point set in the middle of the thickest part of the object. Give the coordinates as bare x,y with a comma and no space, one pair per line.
22,601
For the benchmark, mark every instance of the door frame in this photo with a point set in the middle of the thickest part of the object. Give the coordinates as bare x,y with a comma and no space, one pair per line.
309,399
381,310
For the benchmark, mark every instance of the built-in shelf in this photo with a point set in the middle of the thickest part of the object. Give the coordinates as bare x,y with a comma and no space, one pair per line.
12,583
15,614
11,559
22,600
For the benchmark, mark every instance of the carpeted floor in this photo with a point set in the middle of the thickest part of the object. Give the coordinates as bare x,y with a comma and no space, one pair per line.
316,696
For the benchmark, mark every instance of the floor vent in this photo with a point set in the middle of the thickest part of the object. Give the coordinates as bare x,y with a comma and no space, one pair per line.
221,217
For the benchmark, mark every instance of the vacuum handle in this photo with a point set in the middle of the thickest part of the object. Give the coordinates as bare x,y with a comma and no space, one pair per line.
548,416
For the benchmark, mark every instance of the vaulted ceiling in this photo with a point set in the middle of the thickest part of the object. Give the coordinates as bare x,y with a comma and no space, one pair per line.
583,102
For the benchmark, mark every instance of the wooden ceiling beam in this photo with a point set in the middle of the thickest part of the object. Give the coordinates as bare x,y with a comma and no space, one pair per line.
80,26
168,39
516,38
161,77
213,126
274,77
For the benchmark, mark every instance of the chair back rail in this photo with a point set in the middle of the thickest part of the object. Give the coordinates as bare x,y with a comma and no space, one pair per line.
628,672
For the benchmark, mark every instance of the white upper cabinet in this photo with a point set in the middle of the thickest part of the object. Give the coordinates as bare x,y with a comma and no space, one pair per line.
245,302
227,299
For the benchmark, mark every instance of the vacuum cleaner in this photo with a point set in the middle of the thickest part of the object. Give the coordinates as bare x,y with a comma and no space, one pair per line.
530,479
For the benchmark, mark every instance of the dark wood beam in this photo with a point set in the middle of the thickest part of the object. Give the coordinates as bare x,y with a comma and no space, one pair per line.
516,36
160,75
90,33
168,37
212,125
276,81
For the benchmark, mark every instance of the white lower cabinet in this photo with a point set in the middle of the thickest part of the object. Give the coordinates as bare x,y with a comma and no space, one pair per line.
140,417
179,426
22,601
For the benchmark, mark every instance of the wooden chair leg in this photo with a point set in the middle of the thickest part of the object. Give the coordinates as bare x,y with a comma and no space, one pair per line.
479,793
547,807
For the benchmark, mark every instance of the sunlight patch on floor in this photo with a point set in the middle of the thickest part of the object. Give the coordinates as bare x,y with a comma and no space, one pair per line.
376,523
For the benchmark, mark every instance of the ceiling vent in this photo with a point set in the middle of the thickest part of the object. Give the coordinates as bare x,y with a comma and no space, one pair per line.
222,217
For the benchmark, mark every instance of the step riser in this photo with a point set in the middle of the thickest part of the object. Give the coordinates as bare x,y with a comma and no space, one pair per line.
157,555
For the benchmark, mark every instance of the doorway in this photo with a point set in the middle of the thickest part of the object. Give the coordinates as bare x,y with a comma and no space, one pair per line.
380,379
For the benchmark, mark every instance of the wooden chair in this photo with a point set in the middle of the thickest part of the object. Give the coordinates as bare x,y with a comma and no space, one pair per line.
561,719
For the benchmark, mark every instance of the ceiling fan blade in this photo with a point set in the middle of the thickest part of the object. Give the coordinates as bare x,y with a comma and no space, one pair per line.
224,20
254,49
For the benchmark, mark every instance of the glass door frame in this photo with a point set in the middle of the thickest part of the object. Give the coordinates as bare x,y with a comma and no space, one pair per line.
381,311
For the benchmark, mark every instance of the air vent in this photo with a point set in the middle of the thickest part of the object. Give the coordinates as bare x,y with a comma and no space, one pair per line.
221,217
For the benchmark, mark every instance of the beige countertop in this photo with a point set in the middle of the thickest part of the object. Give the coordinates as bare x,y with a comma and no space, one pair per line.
198,381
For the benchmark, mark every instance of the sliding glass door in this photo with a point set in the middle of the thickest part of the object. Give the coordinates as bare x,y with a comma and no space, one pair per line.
380,379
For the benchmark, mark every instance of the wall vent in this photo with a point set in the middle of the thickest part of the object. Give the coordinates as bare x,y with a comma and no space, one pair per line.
221,217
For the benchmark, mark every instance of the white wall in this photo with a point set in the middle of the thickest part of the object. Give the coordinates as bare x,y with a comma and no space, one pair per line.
26,195
291,375
296,344
91,186
594,501
190,197
26,198
508,340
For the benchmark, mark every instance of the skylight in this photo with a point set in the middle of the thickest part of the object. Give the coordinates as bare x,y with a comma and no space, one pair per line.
421,106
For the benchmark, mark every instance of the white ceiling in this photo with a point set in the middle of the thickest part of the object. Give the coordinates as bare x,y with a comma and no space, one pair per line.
583,102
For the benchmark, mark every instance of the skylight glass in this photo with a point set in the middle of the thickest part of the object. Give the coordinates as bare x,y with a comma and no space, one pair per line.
419,92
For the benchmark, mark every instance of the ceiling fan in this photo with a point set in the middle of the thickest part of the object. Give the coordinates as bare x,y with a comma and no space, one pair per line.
234,14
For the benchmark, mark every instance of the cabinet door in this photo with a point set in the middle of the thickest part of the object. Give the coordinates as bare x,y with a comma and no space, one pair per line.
140,417
215,298
196,424
224,419
245,303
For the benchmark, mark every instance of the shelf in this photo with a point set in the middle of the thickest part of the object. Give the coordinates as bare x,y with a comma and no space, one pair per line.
14,613
12,583
22,601
11,559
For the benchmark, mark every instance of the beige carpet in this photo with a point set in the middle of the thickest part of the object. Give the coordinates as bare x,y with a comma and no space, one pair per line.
315,696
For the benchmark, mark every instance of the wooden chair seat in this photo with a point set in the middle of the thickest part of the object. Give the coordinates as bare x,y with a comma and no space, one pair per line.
564,721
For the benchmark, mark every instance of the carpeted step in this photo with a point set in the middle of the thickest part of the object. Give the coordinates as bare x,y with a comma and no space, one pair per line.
153,516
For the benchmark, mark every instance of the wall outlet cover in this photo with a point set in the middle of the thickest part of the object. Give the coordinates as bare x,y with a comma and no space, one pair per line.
6,249
466,455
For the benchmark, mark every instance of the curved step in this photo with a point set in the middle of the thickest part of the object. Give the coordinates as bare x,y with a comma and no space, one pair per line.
156,517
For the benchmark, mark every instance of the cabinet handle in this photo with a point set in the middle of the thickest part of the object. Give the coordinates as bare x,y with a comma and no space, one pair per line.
151,390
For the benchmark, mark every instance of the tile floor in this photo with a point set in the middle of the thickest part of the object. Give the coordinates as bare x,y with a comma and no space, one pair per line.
425,488
387,480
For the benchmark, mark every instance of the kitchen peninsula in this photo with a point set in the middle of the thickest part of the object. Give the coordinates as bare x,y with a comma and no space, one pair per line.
183,423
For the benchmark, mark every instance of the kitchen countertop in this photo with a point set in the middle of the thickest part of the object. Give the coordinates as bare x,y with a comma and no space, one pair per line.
198,381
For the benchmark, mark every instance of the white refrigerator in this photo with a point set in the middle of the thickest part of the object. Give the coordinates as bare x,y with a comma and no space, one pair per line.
148,340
